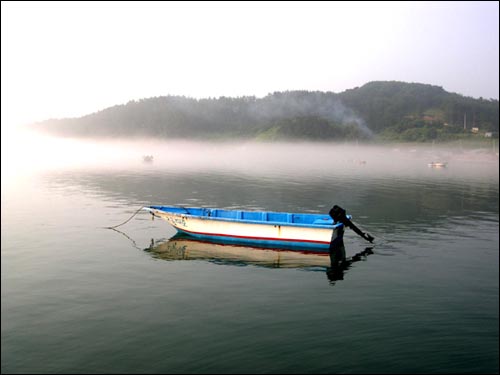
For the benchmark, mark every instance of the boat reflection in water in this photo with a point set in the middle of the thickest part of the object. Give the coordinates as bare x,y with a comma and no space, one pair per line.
183,247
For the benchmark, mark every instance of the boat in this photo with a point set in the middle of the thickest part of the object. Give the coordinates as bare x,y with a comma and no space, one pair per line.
185,247
436,164
267,228
147,158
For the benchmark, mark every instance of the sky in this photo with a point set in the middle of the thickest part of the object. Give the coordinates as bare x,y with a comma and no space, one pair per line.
68,59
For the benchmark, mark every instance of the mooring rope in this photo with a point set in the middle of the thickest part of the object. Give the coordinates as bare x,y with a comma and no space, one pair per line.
125,222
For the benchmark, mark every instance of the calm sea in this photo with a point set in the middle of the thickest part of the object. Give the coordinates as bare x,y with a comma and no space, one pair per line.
77,298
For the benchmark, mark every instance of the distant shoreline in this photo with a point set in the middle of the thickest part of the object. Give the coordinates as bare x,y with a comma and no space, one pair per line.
383,110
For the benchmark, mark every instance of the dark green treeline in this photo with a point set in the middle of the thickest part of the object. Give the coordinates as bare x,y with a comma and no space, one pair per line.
388,110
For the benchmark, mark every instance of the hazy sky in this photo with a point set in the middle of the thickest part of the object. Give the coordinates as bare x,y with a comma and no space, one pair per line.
70,59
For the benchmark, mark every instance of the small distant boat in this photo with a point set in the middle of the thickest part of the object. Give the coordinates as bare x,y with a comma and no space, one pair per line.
267,228
436,164
147,158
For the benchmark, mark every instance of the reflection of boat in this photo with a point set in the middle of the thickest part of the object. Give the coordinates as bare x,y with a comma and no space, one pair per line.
183,247
147,158
254,227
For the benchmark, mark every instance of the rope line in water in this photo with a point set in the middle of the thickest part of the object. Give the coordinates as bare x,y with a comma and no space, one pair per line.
125,222
134,244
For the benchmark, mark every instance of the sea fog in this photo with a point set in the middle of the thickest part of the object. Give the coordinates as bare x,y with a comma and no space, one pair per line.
26,152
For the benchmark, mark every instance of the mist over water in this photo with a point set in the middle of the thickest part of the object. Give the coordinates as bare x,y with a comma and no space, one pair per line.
28,152
425,300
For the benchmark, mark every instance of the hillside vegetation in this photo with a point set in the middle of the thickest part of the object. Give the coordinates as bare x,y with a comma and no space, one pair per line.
386,110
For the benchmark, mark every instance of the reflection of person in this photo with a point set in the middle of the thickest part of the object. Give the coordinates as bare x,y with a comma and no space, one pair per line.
337,269
337,249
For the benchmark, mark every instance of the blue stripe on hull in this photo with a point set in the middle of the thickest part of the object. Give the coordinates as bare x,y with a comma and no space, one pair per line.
267,217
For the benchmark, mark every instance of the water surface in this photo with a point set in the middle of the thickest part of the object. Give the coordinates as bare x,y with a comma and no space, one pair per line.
77,298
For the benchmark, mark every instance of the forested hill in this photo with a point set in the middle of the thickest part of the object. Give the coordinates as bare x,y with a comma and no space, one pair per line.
397,110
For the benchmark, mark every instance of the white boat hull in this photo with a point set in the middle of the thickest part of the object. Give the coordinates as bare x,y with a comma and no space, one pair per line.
247,232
